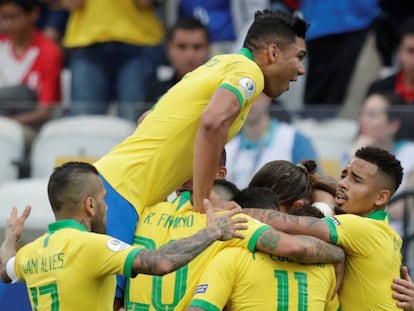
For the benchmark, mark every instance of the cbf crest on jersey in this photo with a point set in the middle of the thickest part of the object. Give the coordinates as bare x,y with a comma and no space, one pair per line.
117,245
248,87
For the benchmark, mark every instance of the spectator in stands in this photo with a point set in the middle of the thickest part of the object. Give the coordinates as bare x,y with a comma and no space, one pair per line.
261,140
227,20
52,20
187,47
113,49
30,66
402,82
388,28
379,124
337,33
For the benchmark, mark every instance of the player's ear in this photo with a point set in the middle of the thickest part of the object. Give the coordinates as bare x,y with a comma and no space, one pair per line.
298,203
90,206
382,197
272,52
222,172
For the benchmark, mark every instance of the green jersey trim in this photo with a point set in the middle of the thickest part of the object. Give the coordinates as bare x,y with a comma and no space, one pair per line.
332,229
253,240
378,215
129,262
203,305
234,90
246,52
64,224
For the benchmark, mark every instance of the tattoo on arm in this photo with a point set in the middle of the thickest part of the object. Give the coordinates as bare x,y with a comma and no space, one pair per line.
299,248
172,256
285,222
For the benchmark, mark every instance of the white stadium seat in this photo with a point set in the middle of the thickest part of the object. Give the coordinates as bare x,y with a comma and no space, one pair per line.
23,192
12,144
83,138
331,138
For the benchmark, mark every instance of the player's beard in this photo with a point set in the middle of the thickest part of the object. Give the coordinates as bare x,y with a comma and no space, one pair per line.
98,224
339,210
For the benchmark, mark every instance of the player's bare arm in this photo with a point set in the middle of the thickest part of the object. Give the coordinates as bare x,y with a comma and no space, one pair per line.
174,255
216,120
304,249
13,232
292,224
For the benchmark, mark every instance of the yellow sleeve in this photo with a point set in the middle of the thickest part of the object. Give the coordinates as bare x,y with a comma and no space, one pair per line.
353,233
252,234
115,256
216,283
244,79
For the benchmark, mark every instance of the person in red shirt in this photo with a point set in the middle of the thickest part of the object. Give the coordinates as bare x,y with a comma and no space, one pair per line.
30,66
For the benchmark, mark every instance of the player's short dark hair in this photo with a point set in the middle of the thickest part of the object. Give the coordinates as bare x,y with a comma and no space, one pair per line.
225,189
68,182
26,5
277,27
386,162
188,23
306,210
257,197
289,181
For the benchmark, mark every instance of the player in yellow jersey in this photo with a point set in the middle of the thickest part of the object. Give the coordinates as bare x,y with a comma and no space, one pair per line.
167,221
257,281
71,268
372,247
185,132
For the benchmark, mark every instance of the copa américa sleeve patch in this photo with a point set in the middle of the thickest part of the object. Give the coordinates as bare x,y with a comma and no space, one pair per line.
201,289
116,245
248,87
335,220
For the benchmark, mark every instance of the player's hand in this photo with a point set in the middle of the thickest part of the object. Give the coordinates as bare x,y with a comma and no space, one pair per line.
219,205
404,290
224,225
339,273
14,225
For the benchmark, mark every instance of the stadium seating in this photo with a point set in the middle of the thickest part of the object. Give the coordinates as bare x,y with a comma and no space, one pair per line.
12,144
331,138
23,192
83,138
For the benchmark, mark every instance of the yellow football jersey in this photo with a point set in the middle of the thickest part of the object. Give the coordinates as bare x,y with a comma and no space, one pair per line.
257,281
162,224
69,268
373,260
158,157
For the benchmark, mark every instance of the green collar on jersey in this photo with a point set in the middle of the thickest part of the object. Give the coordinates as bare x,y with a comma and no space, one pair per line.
246,52
378,215
66,223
